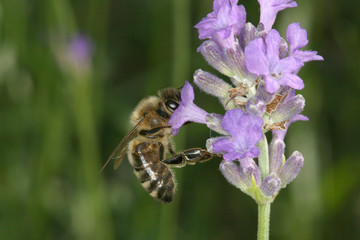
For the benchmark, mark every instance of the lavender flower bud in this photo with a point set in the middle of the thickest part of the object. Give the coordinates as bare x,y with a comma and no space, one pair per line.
249,169
284,48
233,174
249,33
288,108
214,56
236,61
270,185
276,152
291,168
212,85
213,121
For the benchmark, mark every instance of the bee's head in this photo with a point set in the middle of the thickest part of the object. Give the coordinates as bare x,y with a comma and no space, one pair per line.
171,98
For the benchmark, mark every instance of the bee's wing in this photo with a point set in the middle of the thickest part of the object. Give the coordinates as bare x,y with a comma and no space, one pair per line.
120,151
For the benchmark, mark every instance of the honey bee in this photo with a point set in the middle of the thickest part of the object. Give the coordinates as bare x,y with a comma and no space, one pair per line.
150,141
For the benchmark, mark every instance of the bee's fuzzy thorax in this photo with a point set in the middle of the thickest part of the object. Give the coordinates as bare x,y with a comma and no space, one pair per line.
144,106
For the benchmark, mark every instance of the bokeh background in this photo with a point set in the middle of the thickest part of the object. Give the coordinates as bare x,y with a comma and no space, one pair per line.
62,114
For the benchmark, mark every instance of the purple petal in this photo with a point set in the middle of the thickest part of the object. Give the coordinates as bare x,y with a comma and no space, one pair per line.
273,41
287,65
187,110
246,132
255,57
225,145
211,141
188,113
296,36
223,23
269,10
307,56
271,84
292,80
217,4
253,152
231,156
187,93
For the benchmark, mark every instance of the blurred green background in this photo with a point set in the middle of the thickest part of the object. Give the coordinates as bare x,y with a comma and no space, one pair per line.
59,122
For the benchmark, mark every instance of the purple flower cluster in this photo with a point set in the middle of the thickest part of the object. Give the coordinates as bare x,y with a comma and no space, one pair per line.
263,68
80,49
74,55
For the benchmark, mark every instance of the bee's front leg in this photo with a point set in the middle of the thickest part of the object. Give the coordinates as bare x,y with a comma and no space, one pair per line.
153,133
190,156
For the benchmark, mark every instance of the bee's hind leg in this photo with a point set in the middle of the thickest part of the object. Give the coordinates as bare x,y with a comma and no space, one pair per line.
190,156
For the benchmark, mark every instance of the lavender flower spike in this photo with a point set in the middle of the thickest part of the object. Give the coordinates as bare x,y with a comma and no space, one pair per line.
245,130
187,110
270,8
223,23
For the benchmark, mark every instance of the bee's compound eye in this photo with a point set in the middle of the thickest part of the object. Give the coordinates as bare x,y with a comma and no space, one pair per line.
171,105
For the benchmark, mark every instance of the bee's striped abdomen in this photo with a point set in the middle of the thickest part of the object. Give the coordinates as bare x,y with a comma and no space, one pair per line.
154,176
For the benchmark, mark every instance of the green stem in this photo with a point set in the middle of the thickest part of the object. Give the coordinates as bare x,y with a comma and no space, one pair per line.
264,209
263,157
263,221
